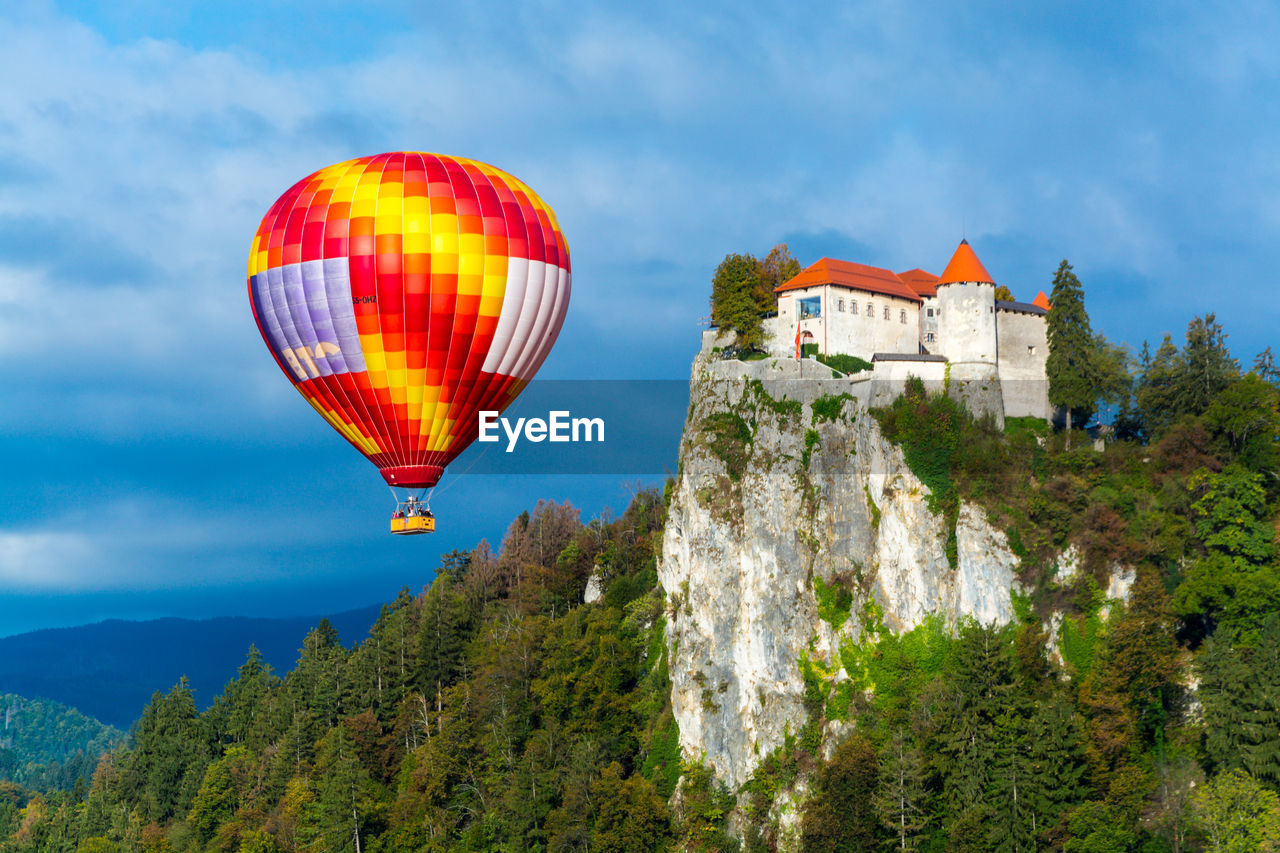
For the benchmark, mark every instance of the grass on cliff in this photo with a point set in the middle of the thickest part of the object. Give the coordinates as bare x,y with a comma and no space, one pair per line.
728,438
829,407
834,600
849,364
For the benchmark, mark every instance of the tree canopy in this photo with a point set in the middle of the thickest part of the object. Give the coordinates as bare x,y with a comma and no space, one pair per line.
742,292
1072,364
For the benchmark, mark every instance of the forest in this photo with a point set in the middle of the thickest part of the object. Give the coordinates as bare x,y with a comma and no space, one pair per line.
46,745
497,710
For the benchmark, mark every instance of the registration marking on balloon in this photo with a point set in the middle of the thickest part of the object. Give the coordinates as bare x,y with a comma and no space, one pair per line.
404,293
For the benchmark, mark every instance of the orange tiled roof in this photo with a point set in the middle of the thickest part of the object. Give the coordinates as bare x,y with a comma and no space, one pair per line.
1041,301
923,283
851,275
965,266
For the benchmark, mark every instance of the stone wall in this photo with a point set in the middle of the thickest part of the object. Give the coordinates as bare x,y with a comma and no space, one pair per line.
1023,346
929,325
889,378
967,327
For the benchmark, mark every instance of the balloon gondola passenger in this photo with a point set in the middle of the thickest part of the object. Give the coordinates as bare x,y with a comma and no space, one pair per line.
411,517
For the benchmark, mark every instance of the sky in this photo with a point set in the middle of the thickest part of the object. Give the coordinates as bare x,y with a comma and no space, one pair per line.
153,461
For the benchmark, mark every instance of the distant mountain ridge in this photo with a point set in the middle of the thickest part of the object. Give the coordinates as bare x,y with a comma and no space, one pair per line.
108,670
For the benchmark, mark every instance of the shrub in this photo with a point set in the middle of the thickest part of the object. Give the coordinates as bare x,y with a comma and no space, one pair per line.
829,407
728,437
834,601
845,363
810,442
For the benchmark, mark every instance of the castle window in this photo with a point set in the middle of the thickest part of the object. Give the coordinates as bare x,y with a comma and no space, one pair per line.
871,310
840,305
811,307
929,337
902,317
1031,350
886,312
929,312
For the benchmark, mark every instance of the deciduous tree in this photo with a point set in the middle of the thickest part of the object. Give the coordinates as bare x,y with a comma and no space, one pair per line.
1236,814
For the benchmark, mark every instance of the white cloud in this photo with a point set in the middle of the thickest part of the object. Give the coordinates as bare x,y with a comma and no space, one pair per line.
150,541
43,559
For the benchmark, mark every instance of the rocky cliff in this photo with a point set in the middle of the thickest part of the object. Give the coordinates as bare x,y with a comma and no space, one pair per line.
792,524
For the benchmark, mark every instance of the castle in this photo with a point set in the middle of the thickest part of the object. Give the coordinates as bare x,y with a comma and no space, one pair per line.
948,328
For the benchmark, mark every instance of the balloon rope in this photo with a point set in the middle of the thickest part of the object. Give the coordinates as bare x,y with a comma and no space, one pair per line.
473,464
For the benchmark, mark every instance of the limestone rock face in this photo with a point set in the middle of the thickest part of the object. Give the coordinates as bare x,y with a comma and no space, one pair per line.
594,591
771,498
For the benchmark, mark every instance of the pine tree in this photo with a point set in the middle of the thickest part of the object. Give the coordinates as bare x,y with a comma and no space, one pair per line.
244,701
170,752
1070,365
1240,691
900,799
442,637
1207,365
1156,395
343,789
978,685
1265,366
381,670
1013,824
1055,765
317,684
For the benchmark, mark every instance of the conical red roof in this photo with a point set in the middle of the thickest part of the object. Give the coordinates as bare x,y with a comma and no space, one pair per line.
965,266
1041,301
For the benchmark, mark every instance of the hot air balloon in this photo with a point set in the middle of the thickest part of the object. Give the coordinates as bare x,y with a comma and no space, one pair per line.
404,293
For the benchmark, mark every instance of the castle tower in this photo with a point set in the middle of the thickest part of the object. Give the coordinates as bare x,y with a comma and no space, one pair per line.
967,333
967,316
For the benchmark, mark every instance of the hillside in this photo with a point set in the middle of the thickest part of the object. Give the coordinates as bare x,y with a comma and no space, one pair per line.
846,624
109,670
45,745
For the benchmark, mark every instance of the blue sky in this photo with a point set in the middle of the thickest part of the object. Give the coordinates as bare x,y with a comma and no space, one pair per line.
155,461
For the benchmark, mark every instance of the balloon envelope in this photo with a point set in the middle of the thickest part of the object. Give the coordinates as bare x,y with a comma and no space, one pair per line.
404,293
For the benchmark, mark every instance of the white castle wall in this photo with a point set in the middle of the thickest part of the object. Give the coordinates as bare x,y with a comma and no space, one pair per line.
967,329
1023,345
929,325
841,330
